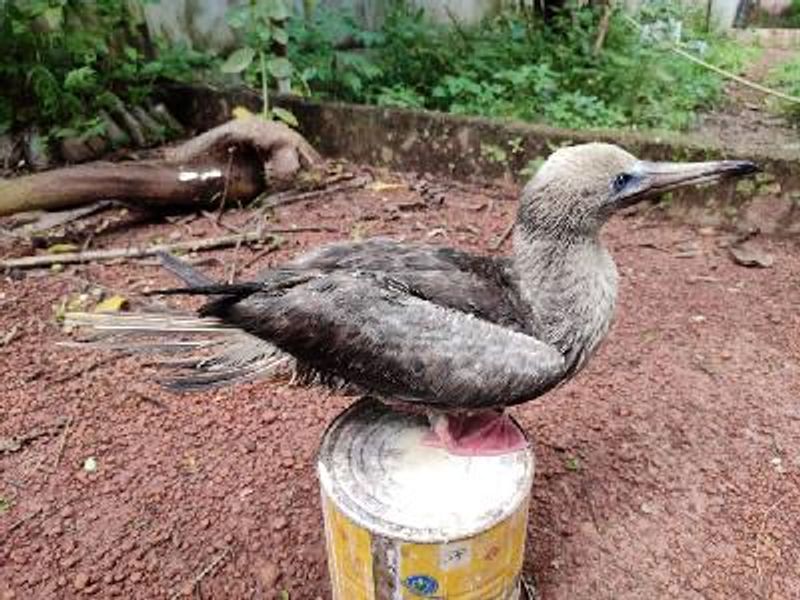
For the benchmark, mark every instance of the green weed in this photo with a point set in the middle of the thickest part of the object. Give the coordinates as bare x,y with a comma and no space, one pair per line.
63,60
513,66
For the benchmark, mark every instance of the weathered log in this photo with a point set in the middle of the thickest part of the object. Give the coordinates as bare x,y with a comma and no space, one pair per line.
46,260
232,163
148,184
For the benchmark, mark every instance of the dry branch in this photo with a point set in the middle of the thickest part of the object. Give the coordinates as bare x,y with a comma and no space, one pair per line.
207,570
30,262
234,162
150,184
503,237
602,29
290,197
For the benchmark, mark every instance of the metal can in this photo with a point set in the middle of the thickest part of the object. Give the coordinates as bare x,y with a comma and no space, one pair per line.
406,520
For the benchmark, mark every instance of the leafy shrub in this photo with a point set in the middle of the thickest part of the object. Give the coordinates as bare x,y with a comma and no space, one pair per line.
62,60
786,78
513,66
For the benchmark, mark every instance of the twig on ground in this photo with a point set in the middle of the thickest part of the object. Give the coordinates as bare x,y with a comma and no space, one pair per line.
268,250
21,521
144,398
202,574
30,262
217,222
762,529
503,237
17,443
77,373
50,220
9,337
35,469
62,443
290,197
224,198
234,266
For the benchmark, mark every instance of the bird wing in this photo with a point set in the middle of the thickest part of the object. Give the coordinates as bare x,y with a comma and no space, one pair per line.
376,331
479,285
419,323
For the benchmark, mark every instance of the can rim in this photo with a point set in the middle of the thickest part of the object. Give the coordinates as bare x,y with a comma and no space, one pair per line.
336,492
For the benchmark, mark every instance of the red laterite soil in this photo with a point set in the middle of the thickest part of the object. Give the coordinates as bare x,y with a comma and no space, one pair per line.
670,468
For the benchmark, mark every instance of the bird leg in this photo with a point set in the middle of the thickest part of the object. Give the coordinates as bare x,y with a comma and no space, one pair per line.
484,433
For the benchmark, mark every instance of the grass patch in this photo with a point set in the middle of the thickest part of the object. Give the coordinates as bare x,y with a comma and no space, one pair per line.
786,78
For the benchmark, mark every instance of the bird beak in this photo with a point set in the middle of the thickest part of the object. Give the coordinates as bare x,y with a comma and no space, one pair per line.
654,178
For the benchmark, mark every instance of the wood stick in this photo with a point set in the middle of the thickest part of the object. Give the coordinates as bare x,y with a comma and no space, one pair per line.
602,29
503,236
284,198
150,184
30,262
62,443
202,574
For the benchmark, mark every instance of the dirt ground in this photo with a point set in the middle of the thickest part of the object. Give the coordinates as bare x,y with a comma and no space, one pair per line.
670,468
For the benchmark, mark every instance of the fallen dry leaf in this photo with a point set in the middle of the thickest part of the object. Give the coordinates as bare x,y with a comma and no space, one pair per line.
111,304
62,248
383,186
748,255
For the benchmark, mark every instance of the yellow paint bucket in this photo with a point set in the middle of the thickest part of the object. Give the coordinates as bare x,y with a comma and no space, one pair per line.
404,520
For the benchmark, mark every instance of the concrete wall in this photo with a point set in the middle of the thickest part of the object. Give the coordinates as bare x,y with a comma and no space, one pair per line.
201,23
197,23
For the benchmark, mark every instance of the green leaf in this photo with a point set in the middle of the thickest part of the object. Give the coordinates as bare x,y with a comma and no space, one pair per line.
238,18
111,304
53,17
280,36
62,248
277,10
280,68
131,53
263,37
286,116
238,61
80,79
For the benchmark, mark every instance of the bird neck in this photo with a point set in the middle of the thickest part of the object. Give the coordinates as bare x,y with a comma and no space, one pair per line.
570,286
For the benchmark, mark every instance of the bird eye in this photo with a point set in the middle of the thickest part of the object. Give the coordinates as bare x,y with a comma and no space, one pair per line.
622,180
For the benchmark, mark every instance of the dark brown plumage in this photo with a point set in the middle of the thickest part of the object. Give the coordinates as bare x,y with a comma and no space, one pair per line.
438,327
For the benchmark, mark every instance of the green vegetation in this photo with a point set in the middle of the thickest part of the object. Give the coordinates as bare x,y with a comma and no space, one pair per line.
793,14
261,25
786,78
513,66
63,60
788,18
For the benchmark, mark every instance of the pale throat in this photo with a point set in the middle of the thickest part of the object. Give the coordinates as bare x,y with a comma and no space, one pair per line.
570,287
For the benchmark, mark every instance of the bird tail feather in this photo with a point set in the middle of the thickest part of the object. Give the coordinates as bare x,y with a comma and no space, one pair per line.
197,352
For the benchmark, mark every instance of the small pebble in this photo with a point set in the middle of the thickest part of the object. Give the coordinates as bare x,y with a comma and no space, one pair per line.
81,581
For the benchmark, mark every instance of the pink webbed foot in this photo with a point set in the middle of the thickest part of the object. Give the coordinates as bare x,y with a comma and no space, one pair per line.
486,433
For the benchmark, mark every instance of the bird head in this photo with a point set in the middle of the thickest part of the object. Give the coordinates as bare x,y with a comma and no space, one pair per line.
578,188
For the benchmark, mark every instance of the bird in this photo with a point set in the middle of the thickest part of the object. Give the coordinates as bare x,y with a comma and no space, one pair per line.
457,335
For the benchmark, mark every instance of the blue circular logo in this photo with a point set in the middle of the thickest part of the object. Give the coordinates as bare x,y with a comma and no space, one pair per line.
421,585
